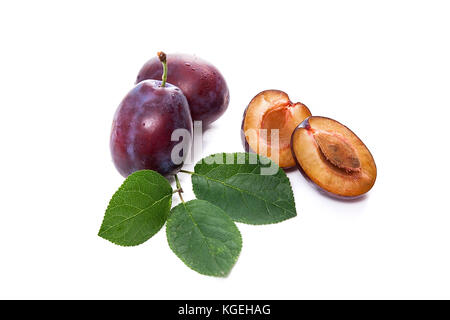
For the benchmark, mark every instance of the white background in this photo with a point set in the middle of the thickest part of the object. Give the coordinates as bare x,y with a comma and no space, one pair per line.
380,67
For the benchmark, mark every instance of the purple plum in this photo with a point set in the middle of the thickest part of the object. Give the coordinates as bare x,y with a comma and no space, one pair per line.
202,84
141,136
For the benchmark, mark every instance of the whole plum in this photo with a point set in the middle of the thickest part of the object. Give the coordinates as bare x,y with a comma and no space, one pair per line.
141,136
202,84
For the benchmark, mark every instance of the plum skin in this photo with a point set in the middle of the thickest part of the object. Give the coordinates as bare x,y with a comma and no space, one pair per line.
243,138
143,125
203,85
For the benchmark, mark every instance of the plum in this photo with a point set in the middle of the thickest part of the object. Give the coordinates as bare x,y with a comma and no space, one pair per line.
202,84
332,157
143,125
269,110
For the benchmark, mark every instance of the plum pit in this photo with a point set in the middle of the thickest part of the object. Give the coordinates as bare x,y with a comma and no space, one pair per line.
338,151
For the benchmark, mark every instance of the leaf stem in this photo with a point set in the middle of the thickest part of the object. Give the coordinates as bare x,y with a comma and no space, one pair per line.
179,189
185,171
163,58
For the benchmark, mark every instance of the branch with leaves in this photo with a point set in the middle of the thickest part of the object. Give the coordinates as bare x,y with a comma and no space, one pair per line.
201,232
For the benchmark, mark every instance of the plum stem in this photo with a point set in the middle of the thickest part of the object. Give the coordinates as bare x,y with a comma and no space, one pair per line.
179,189
163,58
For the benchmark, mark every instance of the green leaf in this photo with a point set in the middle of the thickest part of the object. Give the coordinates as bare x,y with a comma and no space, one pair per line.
138,210
204,237
239,188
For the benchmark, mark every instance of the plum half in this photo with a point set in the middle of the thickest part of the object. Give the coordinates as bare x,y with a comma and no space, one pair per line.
333,157
268,111
203,85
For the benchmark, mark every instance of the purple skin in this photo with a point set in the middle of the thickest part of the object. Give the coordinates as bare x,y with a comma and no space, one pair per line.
143,125
202,84
305,124
243,138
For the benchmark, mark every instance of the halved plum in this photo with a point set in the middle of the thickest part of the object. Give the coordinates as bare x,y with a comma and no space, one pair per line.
333,157
272,110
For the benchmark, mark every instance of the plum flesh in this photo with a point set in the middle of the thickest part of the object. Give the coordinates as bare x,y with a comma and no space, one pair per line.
272,110
332,157
202,84
143,125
